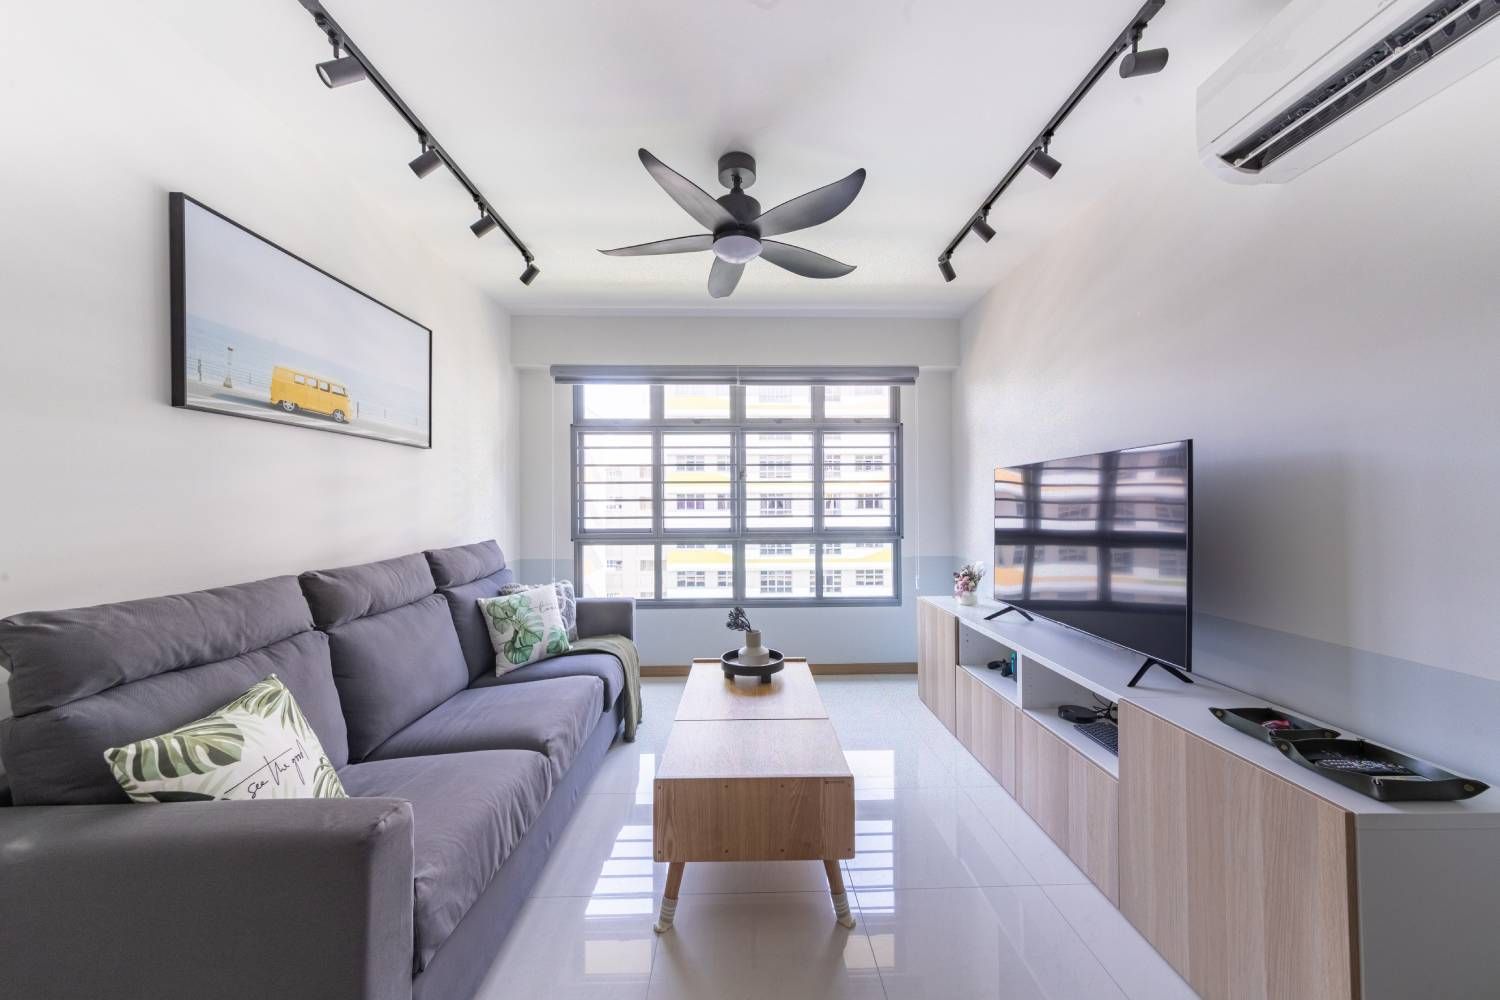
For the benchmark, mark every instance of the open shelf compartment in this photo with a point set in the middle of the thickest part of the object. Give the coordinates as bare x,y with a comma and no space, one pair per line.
976,651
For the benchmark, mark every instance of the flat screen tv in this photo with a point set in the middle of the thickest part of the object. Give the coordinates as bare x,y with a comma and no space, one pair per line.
1103,544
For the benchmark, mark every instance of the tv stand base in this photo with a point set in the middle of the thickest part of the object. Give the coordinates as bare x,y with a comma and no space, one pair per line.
1165,666
1006,610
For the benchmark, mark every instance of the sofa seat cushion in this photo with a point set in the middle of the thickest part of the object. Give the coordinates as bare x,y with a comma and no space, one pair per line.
600,665
469,811
552,717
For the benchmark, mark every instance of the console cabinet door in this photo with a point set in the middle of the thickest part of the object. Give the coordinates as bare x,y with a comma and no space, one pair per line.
1044,779
1093,825
1242,880
998,725
985,723
937,661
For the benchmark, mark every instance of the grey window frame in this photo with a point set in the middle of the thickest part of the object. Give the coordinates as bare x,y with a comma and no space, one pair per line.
738,535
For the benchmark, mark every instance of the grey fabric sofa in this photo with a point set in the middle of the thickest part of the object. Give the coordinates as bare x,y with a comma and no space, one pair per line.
459,784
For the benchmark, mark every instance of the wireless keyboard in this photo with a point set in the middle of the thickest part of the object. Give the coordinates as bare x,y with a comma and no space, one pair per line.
1103,732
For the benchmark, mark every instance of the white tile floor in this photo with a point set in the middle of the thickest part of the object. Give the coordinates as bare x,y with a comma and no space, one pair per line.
957,892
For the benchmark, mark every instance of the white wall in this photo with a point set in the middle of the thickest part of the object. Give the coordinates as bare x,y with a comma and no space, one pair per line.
110,493
1331,347
844,635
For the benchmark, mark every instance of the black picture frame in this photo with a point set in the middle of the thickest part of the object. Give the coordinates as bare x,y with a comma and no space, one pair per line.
184,396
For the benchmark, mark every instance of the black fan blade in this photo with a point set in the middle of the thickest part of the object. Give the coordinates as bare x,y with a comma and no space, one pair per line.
812,208
679,244
694,200
723,278
804,262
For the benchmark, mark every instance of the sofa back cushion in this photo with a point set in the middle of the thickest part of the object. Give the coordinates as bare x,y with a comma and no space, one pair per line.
395,654
464,575
86,679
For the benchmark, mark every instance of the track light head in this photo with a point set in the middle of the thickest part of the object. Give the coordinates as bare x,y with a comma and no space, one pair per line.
983,229
529,275
1143,62
1044,164
485,223
946,267
340,72
426,163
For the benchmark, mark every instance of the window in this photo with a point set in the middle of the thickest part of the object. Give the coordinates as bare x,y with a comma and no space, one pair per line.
859,402
775,581
726,494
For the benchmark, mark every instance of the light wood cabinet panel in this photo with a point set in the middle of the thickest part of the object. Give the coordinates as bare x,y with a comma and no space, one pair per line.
1093,841
1044,779
1243,881
985,723
937,661
998,724
966,697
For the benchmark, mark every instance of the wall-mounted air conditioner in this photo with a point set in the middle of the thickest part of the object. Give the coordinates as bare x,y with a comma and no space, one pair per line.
1326,73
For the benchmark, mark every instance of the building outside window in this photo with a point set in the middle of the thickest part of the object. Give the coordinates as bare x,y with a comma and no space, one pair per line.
677,487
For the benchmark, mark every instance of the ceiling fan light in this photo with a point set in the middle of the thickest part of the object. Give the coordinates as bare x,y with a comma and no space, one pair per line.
736,248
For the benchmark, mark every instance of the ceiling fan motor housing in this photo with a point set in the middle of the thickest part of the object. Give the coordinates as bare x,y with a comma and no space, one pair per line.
739,163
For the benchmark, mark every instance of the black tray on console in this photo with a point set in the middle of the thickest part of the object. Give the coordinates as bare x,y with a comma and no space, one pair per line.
733,667
1430,783
1248,721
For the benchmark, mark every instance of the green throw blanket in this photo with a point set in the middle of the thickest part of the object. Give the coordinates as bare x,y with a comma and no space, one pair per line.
623,650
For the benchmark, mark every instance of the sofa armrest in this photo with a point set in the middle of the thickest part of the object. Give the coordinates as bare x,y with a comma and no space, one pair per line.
606,616
307,898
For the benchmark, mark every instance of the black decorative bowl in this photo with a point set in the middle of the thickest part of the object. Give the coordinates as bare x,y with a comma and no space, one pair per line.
734,668
1389,775
1250,721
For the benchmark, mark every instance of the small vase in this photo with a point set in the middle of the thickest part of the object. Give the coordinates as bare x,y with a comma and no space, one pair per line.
752,653
966,597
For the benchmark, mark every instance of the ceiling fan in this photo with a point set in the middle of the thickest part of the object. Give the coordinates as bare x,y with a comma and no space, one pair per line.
737,228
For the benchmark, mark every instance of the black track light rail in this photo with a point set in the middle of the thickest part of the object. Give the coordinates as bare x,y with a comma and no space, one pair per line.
1121,44
340,38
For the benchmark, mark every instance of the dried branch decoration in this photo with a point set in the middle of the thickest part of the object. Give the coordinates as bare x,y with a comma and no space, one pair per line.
739,622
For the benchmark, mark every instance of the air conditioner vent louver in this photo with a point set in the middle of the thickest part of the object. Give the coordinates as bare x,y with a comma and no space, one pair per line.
1422,38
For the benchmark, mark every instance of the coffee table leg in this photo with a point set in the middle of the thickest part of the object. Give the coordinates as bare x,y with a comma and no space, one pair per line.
669,898
836,890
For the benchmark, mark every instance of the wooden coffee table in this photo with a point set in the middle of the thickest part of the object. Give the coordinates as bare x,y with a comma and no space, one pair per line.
753,772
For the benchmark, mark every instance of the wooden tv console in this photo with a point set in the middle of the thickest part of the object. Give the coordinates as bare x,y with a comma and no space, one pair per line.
1252,876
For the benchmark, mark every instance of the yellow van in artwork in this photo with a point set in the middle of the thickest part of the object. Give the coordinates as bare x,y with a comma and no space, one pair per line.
293,390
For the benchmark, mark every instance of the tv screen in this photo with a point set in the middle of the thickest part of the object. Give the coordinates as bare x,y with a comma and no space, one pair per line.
1103,544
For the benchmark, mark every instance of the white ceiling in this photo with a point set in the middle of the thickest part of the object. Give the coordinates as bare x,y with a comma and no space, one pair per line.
544,105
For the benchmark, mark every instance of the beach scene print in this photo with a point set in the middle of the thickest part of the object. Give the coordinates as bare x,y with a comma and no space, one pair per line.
270,337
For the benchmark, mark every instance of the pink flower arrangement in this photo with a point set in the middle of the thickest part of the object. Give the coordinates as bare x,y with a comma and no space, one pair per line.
966,578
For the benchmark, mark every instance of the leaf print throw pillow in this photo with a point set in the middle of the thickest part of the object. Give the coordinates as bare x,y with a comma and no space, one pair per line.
258,746
524,627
